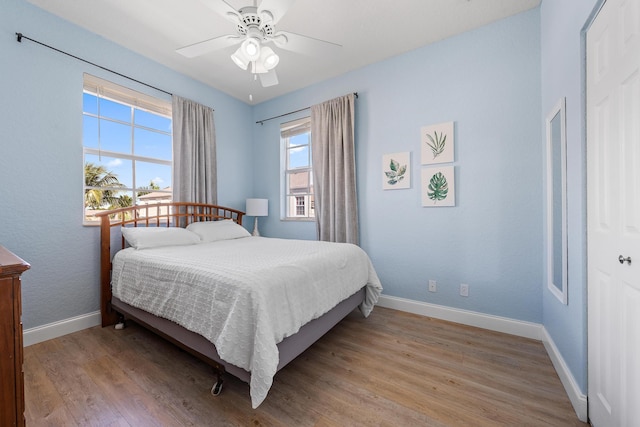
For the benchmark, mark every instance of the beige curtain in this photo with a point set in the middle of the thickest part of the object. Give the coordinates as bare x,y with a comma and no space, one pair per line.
194,152
334,169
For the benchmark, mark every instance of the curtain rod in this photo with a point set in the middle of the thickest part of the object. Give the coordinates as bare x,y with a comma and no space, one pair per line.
261,122
20,36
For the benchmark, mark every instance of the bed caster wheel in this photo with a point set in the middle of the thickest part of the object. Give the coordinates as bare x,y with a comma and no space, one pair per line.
217,388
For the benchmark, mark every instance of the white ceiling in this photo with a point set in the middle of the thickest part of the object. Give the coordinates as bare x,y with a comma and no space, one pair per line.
368,31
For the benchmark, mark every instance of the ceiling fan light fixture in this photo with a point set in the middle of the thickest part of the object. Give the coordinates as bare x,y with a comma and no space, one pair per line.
251,48
269,58
255,28
240,59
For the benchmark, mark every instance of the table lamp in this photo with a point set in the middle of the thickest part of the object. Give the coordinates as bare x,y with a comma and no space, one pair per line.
256,208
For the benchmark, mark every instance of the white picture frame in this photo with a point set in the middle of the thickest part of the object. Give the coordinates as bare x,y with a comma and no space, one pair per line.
396,171
437,143
438,187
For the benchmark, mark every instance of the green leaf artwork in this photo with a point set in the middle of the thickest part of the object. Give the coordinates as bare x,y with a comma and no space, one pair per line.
396,174
438,187
437,144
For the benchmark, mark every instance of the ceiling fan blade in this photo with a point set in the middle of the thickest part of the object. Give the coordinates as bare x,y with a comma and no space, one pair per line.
303,44
207,46
269,79
277,9
223,9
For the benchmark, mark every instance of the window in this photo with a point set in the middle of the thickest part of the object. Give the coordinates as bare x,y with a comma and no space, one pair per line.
127,147
297,176
300,206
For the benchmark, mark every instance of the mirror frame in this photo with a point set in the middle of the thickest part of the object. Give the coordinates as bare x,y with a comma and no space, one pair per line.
555,146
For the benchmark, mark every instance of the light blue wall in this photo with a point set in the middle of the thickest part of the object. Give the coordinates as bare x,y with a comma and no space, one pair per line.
496,83
488,82
41,153
562,75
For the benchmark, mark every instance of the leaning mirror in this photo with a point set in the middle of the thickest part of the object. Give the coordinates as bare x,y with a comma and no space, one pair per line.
556,202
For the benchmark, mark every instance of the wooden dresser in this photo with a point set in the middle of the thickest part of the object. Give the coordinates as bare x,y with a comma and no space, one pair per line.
11,375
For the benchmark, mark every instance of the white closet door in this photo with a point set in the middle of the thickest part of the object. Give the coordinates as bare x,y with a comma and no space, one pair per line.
613,211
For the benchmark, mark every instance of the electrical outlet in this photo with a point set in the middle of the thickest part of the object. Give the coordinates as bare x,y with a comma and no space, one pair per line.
464,290
433,286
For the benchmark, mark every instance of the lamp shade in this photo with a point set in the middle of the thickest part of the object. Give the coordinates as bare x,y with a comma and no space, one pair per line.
257,207
269,58
240,59
251,48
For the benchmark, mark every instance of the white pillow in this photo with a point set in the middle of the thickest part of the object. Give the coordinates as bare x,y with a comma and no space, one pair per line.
153,237
211,231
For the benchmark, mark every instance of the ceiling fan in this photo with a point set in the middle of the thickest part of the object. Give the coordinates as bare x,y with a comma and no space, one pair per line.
255,28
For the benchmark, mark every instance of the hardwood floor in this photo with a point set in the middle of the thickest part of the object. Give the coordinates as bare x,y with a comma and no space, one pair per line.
392,369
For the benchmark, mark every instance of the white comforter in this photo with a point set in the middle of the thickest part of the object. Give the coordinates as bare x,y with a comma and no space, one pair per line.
245,295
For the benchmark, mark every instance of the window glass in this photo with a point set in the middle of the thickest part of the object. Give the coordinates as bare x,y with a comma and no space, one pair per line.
114,136
297,174
152,175
127,149
152,144
121,169
90,103
114,110
298,157
152,121
90,131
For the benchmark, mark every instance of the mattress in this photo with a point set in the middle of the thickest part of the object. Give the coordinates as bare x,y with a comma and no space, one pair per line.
245,295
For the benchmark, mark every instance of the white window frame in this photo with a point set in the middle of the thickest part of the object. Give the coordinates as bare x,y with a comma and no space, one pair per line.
137,100
288,211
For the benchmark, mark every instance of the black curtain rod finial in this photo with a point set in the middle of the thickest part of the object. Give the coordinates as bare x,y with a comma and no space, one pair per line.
19,37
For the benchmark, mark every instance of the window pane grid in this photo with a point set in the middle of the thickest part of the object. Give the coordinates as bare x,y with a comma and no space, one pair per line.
297,176
107,153
135,125
127,153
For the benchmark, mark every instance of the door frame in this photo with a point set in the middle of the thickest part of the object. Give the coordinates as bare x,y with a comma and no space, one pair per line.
583,106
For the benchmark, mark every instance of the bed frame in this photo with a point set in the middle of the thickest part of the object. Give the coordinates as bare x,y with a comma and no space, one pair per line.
181,214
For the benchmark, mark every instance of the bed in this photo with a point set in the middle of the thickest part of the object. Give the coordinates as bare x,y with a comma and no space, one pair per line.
246,305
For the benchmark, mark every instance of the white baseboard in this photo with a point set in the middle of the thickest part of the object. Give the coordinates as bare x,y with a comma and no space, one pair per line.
465,317
578,400
63,327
